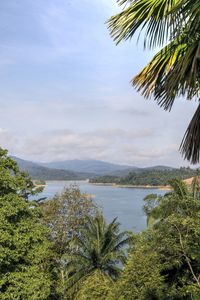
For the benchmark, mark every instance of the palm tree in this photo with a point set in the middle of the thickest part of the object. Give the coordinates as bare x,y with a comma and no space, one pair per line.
178,200
98,247
175,70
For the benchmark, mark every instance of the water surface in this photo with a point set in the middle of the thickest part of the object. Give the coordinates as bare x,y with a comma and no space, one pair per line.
124,203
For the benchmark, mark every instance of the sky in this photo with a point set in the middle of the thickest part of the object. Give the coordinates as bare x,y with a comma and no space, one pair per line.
65,89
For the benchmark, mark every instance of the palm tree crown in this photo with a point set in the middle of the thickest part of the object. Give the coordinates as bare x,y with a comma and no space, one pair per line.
178,201
99,246
175,69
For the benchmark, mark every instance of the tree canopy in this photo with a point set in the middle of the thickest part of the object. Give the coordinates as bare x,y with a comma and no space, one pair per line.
64,248
24,247
13,180
66,214
98,248
163,261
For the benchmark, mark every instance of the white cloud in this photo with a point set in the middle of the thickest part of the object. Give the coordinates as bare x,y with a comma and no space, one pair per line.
66,144
114,145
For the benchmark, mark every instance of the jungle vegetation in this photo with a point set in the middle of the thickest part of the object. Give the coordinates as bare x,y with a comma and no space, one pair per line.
63,248
148,177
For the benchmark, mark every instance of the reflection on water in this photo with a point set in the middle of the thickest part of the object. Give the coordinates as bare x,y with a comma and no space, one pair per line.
124,203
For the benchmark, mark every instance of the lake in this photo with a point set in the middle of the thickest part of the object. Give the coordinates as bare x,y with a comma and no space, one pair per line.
124,203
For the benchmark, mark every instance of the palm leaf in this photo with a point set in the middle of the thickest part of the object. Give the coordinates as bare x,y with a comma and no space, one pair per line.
190,146
175,69
99,246
153,16
180,188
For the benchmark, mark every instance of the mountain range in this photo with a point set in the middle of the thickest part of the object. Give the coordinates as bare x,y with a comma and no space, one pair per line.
37,171
77,169
88,166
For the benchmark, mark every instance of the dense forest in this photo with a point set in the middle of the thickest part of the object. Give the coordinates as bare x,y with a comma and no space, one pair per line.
148,177
64,249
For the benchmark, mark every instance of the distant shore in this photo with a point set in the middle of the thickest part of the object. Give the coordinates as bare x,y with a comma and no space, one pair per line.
159,187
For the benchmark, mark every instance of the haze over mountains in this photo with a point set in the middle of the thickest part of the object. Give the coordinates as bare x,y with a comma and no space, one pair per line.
37,171
77,169
89,166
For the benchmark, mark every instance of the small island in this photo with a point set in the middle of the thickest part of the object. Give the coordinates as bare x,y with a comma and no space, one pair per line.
39,183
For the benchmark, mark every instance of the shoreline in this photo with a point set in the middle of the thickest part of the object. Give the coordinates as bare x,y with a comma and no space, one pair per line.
159,187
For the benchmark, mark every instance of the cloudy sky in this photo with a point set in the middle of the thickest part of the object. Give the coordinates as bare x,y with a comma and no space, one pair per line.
65,88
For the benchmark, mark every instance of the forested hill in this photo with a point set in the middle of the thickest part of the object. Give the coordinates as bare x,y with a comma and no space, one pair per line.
109,173
153,177
89,166
43,173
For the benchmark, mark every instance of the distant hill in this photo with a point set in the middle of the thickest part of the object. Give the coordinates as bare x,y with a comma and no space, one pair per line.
37,171
81,169
125,172
158,168
89,166
149,176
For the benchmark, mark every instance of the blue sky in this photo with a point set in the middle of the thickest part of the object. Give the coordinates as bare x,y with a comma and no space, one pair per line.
65,88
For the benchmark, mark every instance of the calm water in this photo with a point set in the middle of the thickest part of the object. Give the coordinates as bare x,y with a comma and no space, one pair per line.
124,203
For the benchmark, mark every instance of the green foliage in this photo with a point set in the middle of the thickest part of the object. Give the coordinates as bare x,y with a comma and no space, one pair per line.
39,182
148,177
164,260
24,250
77,255
175,237
65,215
141,278
12,180
96,286
98,247
151,202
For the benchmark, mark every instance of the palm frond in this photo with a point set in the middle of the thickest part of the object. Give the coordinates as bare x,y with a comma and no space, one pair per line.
174,71
190,146
179,188
153,16
74,282
99,246
113,271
